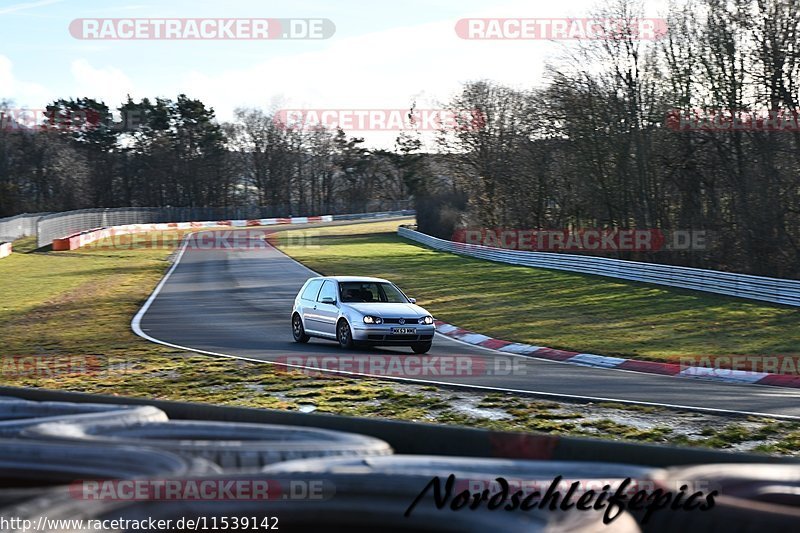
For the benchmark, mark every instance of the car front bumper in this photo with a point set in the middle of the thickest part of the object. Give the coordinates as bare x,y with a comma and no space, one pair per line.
382,333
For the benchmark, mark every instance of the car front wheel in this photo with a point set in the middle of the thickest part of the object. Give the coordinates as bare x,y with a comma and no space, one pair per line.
421,347
298,331
344,335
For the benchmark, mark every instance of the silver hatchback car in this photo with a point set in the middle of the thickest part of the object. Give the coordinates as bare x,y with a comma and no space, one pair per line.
360,311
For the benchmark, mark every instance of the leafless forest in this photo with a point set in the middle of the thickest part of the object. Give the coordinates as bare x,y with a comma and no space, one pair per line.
593,146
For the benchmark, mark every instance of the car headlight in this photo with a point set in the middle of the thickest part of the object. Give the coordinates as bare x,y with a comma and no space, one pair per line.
373,320
426,320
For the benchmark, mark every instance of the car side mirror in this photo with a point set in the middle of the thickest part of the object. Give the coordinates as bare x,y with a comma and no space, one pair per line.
328,300
412,300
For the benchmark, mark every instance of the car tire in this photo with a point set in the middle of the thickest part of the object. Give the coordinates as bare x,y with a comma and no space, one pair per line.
467,467
16,415
30,467
298,331
231,445
750,497
421,347
344,335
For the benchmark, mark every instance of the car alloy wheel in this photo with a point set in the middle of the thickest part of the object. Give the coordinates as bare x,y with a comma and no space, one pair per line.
298,332
343,334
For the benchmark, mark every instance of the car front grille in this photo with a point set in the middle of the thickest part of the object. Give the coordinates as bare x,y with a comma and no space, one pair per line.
397,320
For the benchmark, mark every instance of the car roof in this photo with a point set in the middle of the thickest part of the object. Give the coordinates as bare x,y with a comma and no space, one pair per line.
354,278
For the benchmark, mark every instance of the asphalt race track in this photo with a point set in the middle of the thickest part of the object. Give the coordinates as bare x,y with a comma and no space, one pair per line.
237,303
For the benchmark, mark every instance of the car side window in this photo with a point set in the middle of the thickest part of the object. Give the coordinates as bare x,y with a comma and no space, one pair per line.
311,290
328,290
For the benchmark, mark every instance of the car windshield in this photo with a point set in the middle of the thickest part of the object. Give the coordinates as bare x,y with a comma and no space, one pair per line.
370,292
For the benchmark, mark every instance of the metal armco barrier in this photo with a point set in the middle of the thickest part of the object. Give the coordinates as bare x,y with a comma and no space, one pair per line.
60,225
23,225
382,214
72,242
774,290
76,240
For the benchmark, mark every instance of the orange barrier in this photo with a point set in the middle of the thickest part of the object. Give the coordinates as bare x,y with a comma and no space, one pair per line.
82,239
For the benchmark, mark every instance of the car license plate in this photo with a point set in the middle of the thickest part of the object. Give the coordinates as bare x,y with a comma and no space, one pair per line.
403,331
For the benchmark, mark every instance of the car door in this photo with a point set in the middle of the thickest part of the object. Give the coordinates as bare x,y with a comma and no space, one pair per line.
327,313
308,304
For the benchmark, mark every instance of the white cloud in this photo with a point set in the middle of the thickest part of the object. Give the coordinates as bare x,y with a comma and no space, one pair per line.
387,69
109,84
382,70
21,93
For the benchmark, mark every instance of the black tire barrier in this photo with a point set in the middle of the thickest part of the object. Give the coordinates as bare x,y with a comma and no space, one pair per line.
769,504
476,474
16,415
437,465
752,497
28,467
347,503
228,444
430,439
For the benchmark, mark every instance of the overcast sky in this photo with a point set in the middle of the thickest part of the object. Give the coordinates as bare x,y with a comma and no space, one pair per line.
383,54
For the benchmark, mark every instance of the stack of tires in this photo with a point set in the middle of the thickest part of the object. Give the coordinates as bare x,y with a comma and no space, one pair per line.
367,493
342,481
28,468
50,452
17,414
752,497
233,446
